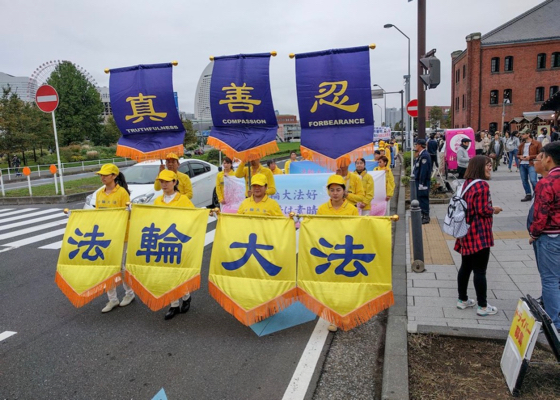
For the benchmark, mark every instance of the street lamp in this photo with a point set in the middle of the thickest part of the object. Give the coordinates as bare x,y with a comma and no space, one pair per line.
384,104
380,112
506,101
407,81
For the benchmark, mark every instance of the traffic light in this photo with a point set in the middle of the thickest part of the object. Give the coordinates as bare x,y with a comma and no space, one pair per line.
432,77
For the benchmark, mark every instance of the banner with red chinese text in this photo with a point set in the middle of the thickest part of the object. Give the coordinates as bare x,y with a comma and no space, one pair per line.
91,255
164,256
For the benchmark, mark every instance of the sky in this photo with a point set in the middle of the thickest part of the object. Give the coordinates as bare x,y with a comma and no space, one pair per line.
109,34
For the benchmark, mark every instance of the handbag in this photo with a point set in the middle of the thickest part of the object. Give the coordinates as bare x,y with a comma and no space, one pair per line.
492,156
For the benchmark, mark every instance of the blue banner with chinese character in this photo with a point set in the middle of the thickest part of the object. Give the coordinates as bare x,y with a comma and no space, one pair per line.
335,108
253,266
243,115
164,256
143,104
90,258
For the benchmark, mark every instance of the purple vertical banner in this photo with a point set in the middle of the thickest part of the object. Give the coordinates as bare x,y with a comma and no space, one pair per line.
144,109
243,115
335,108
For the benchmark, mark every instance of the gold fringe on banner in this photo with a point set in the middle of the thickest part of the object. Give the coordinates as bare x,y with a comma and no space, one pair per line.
257,314
134,154
334,164
350,320
247,155
157,303
81,299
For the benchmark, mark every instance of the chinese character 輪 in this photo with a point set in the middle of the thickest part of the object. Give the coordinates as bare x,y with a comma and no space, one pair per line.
168,245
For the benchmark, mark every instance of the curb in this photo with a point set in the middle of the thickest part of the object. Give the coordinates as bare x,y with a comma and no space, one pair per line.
395,362
71,198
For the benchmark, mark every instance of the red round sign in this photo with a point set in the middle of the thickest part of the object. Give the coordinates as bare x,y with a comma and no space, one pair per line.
412,108
46,98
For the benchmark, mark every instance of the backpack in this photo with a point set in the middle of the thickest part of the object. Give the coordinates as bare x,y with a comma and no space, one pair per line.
455,221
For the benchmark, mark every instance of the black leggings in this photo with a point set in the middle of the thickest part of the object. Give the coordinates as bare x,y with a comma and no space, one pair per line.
477,263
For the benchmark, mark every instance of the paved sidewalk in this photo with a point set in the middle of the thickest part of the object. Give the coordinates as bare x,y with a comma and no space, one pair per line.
512,272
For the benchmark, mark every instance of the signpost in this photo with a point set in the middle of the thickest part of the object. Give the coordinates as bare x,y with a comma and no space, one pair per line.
46,99
52,168
412,110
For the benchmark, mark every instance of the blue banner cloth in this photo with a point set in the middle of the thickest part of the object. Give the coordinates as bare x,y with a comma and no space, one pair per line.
309,167
335,108
144,109
243,115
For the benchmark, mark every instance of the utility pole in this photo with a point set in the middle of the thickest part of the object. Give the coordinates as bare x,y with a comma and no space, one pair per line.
421,53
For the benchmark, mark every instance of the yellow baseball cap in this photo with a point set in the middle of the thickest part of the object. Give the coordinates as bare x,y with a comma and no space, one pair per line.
339,180
167,175
108,169
171,155
259,179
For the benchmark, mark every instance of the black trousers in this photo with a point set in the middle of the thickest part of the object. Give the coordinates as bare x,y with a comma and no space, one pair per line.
424,200
476,263
461,172
434,160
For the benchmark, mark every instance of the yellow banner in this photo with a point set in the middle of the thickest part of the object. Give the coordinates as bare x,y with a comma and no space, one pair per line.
164,256
91,255
253,266
344,267
521,328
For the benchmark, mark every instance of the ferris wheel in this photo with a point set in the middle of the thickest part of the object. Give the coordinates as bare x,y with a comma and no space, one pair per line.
43,72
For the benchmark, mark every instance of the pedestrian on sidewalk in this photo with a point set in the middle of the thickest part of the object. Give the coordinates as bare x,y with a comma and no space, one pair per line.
475,246
496,151
485,141
545,231
432,147
478,145
15,164
423,176
528,151
554,135
463,157
512,148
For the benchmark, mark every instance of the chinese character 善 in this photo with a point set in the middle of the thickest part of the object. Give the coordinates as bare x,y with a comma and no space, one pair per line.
239,98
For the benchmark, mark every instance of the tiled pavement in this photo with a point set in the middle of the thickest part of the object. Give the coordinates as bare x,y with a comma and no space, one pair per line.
512,272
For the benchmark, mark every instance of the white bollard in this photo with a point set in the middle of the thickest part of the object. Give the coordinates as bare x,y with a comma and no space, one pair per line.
2,184
39,169
29,185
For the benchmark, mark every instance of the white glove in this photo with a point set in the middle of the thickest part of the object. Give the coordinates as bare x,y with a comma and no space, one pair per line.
422,187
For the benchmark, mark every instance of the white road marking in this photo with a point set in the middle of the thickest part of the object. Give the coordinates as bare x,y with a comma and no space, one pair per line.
31,221
6,335
33,239
33,229
308,362
34,214
209,238
22,210
5,209
53,246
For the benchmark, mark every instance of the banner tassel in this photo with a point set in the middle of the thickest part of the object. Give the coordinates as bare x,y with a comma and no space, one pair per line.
334,164
134,154
247,155
79,300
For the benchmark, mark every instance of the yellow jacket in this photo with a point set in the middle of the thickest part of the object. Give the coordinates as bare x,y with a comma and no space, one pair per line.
266,206
389,180
277,171
287,167
220,184
184,186
354,188
180,200
345,209
243,171
367,183
117,198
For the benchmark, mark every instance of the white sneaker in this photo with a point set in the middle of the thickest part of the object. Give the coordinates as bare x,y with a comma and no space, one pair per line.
127,299
332,328
461,305
110,305
488,310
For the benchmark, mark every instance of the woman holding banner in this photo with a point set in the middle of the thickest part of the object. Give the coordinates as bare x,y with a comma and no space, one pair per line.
353,185
259,203
227,166
172,198
115,194
367,182
389,178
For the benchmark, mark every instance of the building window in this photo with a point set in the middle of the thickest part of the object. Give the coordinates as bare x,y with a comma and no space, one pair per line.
508,95
553,89
539,94
493,97
456,104
457,76
508,63
541,61
464,71
495,65
493,127
464,105
555,61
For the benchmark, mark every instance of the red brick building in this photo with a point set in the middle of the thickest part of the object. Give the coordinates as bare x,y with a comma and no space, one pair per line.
512,69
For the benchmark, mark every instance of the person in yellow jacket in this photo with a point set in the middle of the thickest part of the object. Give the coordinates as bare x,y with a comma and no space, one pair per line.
227,169
354,187
259,203
172,164
172,198
389,178
367,183
337,204
293,157
271,164
115,194
256,168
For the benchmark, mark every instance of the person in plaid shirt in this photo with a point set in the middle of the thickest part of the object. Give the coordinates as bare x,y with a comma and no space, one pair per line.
475,246
545,230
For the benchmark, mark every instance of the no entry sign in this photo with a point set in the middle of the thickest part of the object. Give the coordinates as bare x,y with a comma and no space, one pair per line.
46,98
412,108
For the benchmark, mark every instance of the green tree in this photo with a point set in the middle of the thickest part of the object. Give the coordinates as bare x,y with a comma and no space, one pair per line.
190,134
436,117
110,133
79,113
14,130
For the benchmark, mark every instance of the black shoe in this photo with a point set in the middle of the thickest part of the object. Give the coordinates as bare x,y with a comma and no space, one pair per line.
425,220
527,198
185,306
171,312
